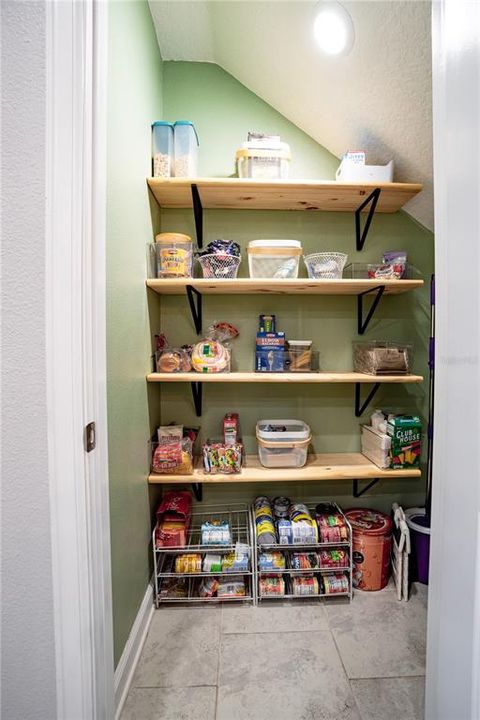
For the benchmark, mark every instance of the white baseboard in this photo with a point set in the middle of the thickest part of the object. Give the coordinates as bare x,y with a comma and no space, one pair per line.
131,651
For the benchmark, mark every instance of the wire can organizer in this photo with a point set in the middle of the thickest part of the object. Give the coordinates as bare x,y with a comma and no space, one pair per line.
325,265
216,265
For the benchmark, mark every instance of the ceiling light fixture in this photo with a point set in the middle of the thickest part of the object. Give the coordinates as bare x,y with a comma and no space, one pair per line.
333,28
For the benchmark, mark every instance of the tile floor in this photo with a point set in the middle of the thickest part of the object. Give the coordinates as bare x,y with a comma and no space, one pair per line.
307,661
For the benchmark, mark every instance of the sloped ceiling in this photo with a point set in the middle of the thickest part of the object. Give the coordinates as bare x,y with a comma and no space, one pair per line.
378,98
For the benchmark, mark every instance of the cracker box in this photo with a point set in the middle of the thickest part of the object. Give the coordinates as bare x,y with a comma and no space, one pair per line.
406,434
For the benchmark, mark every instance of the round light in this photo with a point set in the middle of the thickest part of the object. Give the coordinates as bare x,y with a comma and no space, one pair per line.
333,29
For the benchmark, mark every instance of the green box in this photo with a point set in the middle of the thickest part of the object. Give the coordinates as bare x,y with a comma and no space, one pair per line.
406,434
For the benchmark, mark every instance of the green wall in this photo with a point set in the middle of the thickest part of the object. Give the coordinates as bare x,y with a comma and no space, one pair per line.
223,111
134,101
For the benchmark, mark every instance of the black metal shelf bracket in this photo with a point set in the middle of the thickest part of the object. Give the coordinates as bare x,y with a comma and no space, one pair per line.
197,388
358,493
360,408
363,324
198,491
195,302
361,235
197,214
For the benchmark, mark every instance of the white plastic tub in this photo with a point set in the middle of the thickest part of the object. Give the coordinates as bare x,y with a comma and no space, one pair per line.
375,446
350,171
263,164
274,258
283,443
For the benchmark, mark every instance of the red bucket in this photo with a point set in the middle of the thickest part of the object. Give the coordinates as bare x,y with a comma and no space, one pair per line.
372,541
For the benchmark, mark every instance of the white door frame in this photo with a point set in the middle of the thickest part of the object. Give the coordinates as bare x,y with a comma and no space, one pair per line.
453,641
76,359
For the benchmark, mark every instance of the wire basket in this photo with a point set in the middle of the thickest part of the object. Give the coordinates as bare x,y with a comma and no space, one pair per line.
326,265
217,265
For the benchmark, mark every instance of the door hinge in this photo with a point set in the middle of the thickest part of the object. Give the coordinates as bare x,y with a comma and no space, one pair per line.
90,437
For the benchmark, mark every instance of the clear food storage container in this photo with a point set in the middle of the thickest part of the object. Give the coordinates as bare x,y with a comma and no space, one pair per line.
174,252
274,258
283,443
376,446
263,164
162,149
382,358
300,355
185,140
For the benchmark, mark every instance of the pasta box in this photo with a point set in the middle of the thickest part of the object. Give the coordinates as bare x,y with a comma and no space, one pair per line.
406,434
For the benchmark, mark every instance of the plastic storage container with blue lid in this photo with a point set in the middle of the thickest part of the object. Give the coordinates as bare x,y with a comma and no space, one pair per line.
186,144
162,148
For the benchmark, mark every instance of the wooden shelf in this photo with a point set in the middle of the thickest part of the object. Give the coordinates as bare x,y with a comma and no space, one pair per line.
305,286
291,377
328,466
247,194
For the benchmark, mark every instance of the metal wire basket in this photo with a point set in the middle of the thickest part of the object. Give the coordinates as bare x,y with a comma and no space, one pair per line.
219,266
325,265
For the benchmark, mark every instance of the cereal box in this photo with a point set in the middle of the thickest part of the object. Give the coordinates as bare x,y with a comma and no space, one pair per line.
406,434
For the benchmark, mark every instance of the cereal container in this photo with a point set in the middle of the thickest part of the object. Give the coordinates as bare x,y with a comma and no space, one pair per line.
174,254
162,149
186,149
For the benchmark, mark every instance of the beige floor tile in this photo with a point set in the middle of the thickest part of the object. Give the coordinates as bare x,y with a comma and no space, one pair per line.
191,703
181,649
378,636
383,698
283,676
272,618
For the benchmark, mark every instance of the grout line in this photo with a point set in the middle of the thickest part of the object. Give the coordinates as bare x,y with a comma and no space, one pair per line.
220,641
388,677
171,687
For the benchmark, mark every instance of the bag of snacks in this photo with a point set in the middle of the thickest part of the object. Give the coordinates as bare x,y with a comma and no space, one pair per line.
173,519
231,587
173,454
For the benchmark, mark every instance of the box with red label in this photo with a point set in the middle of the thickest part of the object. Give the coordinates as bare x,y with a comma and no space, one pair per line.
231,428
173,519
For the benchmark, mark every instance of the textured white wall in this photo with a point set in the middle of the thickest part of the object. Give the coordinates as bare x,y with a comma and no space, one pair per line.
28,660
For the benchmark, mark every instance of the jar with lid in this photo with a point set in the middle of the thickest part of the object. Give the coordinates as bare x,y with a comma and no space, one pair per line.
186,149
174,253
162,149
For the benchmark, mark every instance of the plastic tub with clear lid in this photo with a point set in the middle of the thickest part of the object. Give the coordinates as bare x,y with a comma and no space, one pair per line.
274,258
162,149
260,164
174,253
185,140
283,443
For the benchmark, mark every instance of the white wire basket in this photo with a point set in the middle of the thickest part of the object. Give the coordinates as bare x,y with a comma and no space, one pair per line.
218,265
325,265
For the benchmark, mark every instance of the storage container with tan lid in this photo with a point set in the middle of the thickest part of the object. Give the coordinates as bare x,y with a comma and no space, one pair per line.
174,253
264,164
274,258
283,443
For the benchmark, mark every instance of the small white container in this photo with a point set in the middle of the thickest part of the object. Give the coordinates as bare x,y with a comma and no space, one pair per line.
350,171
263,164
162,149
375,446
185,141
274,258
283,443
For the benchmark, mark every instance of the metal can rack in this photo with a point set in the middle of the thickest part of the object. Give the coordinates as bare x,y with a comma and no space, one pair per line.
240,522
288,573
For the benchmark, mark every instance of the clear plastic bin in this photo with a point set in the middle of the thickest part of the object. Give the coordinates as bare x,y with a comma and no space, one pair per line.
283,443
382,358
300,355
186,149
162,149
263,164
174,253
274,258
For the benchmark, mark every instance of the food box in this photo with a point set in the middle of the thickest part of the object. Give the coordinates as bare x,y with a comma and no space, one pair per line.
270,352
406,434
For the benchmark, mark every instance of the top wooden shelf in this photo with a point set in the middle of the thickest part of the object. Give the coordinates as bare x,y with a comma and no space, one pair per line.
247,194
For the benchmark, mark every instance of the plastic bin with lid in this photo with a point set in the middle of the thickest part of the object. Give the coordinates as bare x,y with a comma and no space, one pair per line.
264,163
185,140
274,258
283,443
174,253
162,148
